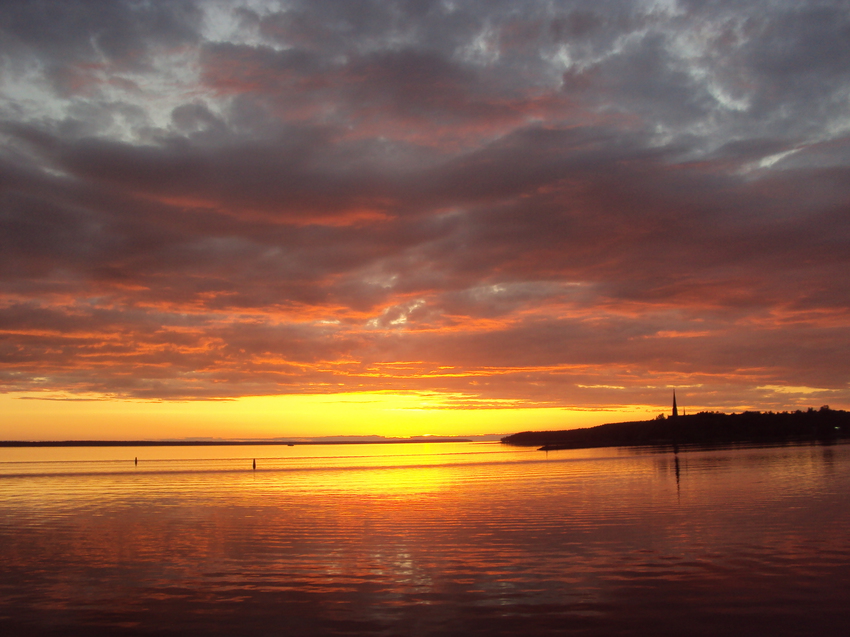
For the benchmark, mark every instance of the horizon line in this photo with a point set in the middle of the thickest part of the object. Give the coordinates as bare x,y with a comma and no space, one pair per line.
224,442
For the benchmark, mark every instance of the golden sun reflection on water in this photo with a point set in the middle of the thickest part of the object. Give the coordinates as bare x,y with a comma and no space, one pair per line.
482,539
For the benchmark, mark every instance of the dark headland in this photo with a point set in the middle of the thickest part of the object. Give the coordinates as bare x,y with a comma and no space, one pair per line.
704,428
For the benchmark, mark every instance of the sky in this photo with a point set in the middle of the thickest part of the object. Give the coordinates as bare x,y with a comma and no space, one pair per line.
271,218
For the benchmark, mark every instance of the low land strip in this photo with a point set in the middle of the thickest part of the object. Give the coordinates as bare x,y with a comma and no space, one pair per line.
216,443
704,428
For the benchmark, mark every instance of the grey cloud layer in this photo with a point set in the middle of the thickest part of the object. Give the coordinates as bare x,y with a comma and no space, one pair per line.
203,200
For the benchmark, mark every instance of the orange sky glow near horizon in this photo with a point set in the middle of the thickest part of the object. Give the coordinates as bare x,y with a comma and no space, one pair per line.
301,416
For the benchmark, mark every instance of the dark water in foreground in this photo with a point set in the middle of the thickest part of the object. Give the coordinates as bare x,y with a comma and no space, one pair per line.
440,539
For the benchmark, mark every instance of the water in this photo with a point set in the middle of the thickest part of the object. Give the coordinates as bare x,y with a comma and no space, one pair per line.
430,539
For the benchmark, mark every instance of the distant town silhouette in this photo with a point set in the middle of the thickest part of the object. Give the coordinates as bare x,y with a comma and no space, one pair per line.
703,428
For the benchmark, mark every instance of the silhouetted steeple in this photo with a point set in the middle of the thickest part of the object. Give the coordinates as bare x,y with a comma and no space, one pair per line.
675,409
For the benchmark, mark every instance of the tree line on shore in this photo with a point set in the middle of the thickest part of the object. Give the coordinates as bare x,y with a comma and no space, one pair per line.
704,428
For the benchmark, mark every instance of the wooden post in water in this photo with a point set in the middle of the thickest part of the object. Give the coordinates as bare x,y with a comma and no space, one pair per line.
136,461
255,464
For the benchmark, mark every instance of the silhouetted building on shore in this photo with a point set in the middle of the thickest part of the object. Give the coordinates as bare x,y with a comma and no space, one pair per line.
825,426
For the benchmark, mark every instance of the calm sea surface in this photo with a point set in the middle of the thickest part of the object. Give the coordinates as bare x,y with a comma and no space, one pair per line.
424,539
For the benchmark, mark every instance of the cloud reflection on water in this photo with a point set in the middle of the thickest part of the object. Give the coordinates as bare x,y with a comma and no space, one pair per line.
599,541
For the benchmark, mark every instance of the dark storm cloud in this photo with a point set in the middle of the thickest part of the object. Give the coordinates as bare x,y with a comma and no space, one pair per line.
576,203
66,32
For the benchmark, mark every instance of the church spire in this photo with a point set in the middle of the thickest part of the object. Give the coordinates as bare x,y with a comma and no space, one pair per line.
675,409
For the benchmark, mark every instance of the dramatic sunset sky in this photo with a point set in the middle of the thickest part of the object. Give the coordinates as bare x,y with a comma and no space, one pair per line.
426,217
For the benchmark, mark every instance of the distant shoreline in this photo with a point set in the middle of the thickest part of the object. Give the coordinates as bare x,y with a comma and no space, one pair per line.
214,443
705,428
